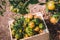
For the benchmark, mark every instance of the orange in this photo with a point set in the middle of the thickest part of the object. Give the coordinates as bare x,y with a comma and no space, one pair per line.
51,5
31,24
53,20
30,16
37,29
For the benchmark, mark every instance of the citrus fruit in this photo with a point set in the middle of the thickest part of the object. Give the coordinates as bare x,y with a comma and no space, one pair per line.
30,16
31,24
51,5
37,29
53,20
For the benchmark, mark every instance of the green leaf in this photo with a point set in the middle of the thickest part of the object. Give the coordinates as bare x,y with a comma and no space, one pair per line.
33,1
58,4
57,14
37,21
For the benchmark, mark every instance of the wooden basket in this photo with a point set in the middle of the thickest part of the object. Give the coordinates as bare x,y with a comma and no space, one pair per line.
41,36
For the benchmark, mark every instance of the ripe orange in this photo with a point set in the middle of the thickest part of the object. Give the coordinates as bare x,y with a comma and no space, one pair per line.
51,5
31,24
30,16
37,29
53,20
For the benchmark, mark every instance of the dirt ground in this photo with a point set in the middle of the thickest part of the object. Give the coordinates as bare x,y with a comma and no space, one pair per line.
4,31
